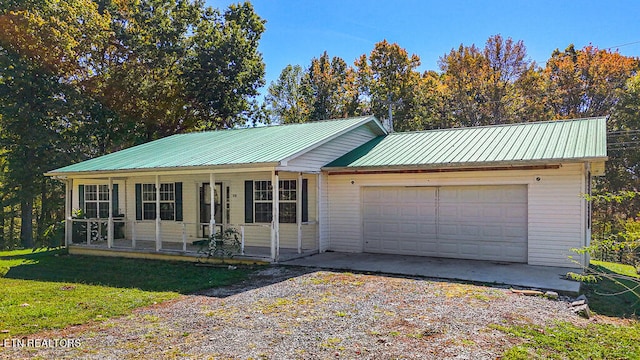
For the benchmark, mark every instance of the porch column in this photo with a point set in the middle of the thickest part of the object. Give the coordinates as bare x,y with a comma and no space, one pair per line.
158,234
319,210
68,223
110,221
275,217
299,211
212,198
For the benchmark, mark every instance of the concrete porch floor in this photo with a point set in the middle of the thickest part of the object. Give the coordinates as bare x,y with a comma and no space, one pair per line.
124,248
529,276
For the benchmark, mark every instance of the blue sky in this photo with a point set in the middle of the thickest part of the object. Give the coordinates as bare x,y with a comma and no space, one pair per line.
297,31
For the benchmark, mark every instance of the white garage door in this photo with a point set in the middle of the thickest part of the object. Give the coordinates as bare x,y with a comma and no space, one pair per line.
467,222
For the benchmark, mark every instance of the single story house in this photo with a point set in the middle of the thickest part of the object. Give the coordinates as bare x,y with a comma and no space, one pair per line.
506,193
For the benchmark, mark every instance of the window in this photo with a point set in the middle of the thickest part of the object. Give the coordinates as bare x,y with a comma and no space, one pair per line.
263,196
288,201
96,201
167,201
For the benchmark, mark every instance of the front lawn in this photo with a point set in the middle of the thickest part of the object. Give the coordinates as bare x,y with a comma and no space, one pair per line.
607,296
51,290
567,341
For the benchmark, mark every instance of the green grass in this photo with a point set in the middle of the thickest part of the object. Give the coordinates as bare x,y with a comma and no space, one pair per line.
51,290
607,296
567,341
595,341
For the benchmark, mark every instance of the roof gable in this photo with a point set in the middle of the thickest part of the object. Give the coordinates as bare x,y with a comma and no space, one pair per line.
247,146
561,140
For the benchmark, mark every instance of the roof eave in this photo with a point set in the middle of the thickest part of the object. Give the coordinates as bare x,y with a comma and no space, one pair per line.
203,168
488,165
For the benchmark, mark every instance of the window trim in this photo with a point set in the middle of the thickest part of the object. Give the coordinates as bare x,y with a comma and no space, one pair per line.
265,188
98,201
167,196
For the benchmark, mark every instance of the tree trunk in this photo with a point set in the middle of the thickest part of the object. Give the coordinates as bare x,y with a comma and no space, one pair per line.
43,220
12,225
26,225
3,244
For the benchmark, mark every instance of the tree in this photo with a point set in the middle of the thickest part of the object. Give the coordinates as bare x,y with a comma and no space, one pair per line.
584,83
80,78
333,89
42,44
327,89
496,85
391,80
224,67
289,97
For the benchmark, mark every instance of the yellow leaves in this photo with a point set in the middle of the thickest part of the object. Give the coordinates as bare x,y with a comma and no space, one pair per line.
57,35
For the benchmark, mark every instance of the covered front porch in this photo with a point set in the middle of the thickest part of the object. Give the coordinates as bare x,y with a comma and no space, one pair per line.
174,213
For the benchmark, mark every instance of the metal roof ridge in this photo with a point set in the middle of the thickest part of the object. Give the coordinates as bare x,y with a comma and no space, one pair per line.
265,126
500,125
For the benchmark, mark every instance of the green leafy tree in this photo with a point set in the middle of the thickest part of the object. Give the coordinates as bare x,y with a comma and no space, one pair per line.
388,79
81,78
224,69
333,89
289,98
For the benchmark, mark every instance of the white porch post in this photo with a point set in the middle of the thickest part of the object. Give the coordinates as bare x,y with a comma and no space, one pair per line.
275,217
212,199
158,234
319,210
110,221
299,211
68,223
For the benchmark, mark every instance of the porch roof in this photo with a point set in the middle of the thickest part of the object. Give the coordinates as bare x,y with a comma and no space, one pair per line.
524,143
233,147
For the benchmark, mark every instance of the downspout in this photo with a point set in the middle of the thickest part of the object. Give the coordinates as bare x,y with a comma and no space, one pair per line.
588,215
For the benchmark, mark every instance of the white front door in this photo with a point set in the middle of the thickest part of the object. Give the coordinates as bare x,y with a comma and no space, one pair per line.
205,207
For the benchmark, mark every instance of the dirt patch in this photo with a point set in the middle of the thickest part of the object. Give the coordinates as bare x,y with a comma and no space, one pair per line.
294,313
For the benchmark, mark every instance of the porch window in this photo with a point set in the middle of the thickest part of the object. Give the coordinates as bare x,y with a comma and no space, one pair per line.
96,201
170,201
287,201
262,201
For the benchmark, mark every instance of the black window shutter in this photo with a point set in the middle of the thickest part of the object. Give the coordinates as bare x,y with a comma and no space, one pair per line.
138,201
305,200
81,196
114,200
178,189
248,201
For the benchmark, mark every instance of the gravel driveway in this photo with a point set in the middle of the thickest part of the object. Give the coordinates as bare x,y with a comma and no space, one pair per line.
294,313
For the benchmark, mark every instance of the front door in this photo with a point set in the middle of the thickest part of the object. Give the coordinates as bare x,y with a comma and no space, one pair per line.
205,207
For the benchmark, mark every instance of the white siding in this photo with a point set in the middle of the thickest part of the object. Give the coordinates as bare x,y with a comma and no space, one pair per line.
333,149
171,231
556,209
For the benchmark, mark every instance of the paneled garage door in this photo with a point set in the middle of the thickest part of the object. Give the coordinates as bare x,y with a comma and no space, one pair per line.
467,222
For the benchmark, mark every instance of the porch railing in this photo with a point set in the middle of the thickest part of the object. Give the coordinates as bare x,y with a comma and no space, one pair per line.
92,231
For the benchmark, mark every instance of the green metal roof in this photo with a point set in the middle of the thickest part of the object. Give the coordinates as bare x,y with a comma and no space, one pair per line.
259,145
515,143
